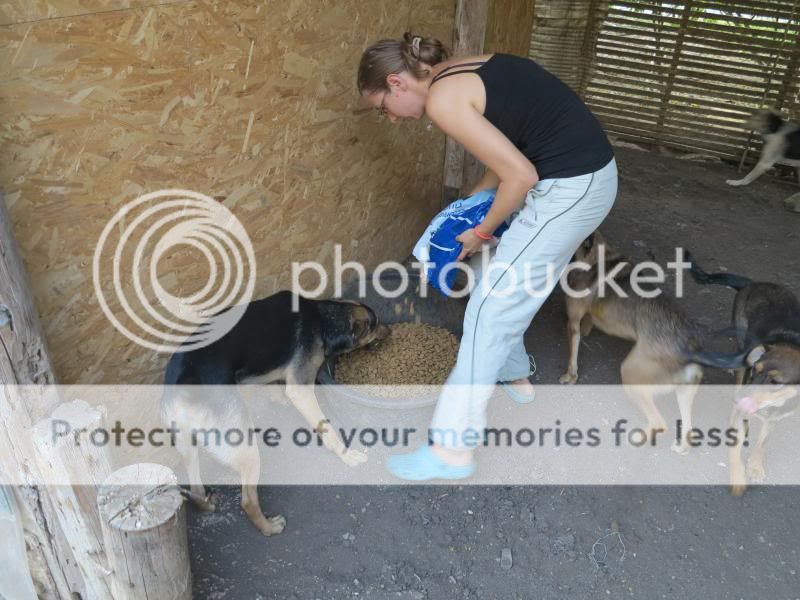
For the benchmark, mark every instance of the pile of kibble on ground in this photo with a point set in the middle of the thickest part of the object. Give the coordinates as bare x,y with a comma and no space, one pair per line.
414,354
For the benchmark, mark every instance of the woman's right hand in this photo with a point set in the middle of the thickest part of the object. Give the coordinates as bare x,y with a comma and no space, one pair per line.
472,244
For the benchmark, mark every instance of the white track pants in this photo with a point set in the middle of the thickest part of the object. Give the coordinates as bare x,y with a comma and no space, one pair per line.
557,216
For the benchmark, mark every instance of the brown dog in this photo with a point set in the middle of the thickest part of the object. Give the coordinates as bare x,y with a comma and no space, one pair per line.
766,314
665,355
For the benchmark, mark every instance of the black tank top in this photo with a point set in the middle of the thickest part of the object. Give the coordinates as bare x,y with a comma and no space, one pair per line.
541,116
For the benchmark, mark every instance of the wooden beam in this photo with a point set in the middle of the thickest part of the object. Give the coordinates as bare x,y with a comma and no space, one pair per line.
673,67
76,471
589,41
24,359
46,513
460,168
49,558
790,74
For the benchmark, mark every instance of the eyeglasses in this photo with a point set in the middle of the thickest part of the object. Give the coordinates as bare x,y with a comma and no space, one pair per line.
382,108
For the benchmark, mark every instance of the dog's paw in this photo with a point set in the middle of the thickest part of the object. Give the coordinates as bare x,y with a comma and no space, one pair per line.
680,448
655,432
274,525
207,504
738,489
738,478
568,379
734,182
755,472
353,458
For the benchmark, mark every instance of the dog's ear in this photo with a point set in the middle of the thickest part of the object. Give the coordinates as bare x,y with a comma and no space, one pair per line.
773,121
598,238
359,329
755,355
584,250
765,121
592,245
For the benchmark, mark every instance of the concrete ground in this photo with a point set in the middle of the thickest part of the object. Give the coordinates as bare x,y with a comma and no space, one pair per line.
441,542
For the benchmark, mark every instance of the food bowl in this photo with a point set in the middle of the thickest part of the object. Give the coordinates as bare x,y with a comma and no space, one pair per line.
409,307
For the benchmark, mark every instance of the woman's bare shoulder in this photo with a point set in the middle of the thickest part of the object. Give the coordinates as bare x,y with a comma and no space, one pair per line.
461,60
464,90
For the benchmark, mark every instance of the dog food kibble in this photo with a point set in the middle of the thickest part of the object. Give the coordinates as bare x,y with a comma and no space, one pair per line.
414,354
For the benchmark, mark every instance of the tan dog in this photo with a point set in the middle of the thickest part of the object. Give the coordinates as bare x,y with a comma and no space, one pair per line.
665,356
770,399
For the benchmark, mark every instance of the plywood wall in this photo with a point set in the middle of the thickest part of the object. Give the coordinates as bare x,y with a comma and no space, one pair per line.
252,103
508,29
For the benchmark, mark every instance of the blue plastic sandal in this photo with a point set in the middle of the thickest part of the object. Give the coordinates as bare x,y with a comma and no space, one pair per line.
515,395
423,464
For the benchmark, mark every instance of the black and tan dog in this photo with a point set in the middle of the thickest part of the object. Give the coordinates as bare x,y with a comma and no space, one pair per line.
768,315
781,144
666,354
270,343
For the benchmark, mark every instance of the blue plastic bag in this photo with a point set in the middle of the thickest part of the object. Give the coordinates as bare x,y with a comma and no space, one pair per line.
438,246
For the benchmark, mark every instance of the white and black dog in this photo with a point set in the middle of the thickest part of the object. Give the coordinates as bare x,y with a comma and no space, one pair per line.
781,144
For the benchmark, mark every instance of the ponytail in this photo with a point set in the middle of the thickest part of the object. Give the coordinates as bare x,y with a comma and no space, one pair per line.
411,54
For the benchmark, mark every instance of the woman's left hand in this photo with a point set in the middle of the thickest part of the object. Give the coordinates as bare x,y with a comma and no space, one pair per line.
472,244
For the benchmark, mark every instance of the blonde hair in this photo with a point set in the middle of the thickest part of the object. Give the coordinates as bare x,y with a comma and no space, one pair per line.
386,57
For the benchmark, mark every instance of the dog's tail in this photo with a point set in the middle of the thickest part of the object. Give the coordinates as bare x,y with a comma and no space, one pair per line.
730,280
719,360
783,335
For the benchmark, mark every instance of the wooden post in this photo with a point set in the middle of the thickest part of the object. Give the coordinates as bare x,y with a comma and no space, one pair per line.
50,569
76,470
589,42
461,169
25,360
15,579
790,73
673,68
144,529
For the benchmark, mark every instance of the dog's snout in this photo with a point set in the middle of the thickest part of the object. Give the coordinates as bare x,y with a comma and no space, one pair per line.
382,332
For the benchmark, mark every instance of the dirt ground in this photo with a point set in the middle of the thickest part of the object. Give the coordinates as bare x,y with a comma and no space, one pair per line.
441,542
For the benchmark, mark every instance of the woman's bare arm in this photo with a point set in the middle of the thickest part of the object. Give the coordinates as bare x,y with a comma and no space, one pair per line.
457,116
487,182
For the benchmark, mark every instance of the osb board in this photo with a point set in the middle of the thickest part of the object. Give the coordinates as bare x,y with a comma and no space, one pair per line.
509,26
24,11
252,103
